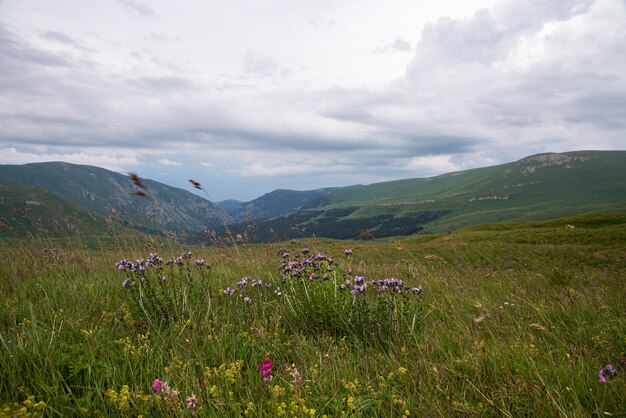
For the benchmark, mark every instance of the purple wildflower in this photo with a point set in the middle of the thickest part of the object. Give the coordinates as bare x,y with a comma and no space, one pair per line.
247,300
602,374
348,251
305,251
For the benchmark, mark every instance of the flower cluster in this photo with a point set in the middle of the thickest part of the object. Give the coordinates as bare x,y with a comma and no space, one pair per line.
391,285
243,284
359,285
153,262
307,266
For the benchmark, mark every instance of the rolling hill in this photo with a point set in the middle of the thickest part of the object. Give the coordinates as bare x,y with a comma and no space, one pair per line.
538,187
31,210
165,208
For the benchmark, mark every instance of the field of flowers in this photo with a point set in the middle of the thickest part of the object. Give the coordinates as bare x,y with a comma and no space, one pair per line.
524,321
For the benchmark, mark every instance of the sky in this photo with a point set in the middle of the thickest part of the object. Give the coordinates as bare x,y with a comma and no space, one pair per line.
247,96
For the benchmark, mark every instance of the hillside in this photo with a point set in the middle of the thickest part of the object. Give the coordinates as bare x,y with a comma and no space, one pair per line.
273,204
538,187
166,208
30,210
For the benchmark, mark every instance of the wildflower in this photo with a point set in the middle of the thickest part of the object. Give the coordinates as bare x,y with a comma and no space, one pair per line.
348,251
603,372
126,283
266,370
305,251
157,386
417,290
247,300
191,402
199,262
229,291
296,377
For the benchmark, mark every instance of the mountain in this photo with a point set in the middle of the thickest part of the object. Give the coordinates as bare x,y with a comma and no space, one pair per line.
31,210
165,208
538,187
230,205
273,204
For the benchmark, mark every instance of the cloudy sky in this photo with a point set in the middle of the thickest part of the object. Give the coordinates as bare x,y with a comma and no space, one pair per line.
247,96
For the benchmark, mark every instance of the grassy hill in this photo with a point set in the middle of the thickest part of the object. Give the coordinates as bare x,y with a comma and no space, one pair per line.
538,187
495,320
165,209
30,210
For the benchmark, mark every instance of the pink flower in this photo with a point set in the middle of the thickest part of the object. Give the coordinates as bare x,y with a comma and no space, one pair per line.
157,386
266,370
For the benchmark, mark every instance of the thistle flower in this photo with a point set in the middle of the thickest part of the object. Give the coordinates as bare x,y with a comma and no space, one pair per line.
247,300
348,251
266,370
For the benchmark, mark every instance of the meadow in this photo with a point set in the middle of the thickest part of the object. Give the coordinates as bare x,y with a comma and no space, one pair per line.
517,319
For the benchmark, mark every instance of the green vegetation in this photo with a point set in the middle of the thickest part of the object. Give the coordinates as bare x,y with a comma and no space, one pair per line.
515,319
539,187
30,210
154,208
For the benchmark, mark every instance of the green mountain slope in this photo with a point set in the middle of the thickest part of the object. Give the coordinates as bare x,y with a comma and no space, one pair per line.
538,187
30,210
166,208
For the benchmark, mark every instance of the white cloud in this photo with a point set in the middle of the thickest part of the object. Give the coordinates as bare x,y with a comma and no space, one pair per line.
432,165
119,163
165,161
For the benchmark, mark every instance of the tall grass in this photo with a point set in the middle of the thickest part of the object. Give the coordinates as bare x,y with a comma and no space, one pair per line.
508,324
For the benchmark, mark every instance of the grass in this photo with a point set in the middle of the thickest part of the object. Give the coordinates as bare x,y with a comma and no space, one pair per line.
514,320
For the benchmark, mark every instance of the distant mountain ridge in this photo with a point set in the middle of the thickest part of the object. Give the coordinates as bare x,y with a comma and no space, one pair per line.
537,187
165,209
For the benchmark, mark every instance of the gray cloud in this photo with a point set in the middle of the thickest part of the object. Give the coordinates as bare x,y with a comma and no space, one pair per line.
487,88
137,7
263,65
397,45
